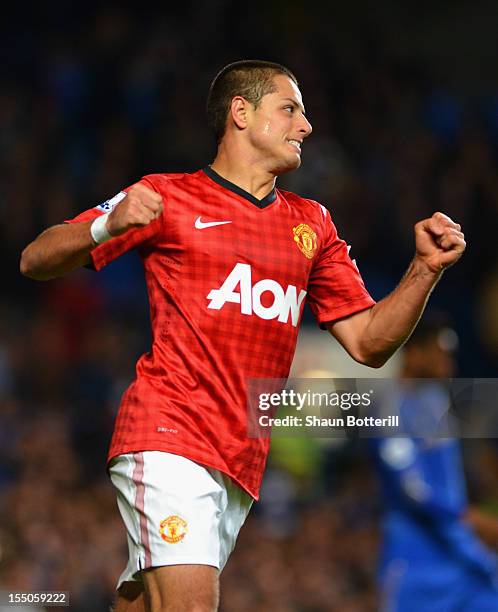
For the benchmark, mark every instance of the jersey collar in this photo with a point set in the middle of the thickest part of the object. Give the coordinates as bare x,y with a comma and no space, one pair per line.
268,199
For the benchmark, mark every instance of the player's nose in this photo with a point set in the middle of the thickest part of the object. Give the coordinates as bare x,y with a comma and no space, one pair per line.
305,127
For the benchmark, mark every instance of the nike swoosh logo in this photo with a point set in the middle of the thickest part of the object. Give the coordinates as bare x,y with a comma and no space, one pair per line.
202,224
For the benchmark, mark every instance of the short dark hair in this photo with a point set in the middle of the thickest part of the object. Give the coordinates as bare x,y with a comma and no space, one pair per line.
251,79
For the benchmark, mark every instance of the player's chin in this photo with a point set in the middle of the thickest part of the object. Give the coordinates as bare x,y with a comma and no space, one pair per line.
290,163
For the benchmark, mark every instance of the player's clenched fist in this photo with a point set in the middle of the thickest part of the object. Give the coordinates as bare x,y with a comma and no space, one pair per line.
439,241
141,206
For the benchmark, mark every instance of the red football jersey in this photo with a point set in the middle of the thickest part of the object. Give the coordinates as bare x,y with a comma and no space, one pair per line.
227,276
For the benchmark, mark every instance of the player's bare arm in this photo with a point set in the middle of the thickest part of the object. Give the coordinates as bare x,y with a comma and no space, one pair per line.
485,524
373,336
63,248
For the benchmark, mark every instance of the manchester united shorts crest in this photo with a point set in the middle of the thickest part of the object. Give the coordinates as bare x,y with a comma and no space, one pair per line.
176,511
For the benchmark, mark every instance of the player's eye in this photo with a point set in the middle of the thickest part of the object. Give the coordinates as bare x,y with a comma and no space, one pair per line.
289,108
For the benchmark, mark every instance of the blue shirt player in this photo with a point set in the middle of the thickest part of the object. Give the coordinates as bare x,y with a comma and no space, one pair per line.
431,558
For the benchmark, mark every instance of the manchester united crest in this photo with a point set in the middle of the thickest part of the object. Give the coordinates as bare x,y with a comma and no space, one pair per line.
173,529
305,239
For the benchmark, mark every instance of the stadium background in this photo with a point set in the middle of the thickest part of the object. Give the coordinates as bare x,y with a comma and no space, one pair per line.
403,98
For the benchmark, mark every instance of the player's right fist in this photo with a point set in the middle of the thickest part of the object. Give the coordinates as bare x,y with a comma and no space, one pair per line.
140,206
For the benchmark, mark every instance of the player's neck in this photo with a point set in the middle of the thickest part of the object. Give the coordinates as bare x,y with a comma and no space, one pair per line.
249,177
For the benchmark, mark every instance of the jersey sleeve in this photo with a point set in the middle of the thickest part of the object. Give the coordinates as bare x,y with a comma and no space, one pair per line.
335,287
107,252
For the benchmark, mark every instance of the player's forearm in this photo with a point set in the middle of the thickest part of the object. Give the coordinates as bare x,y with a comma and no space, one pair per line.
484,524
57,251
393,319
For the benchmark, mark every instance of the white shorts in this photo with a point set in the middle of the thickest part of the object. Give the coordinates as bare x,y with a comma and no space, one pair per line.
176,511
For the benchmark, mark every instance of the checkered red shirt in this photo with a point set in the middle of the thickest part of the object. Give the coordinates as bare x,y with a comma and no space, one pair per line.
210,336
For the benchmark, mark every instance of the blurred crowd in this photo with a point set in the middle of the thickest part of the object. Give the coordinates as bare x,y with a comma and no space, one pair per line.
93,97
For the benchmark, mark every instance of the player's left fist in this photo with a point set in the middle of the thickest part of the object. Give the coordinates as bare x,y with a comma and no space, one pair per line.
439,242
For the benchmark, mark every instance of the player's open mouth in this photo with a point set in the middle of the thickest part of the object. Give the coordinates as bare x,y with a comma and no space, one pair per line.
296,144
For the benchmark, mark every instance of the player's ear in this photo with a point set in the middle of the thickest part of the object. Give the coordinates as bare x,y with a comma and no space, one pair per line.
238,111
